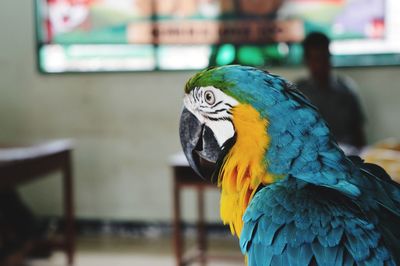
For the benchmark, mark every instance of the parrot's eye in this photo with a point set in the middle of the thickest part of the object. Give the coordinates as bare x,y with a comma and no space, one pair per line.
209,97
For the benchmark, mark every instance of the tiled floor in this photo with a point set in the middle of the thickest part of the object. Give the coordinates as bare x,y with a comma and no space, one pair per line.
112,251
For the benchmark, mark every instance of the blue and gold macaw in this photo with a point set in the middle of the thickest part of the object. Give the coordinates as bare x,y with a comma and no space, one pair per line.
287,190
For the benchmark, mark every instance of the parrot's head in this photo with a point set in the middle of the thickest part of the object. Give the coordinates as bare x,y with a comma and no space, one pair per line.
206,126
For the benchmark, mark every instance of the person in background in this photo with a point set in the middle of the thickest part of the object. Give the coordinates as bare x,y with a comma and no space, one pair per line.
333,95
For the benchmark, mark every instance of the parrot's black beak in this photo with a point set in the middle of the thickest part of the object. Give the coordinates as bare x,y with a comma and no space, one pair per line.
199,145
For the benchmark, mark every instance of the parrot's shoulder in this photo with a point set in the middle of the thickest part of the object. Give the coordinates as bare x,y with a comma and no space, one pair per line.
381,197
374,182
292,222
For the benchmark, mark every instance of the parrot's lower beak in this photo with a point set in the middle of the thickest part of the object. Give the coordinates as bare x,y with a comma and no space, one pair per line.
199,145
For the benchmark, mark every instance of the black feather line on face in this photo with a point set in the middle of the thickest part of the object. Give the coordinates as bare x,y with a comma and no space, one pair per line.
218,103
226,147
207,106
216,111
223,118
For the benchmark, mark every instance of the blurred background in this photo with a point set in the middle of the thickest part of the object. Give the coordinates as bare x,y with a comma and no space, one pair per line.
109,76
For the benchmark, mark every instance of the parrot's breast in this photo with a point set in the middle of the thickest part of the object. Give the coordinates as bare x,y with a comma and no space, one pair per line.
244,168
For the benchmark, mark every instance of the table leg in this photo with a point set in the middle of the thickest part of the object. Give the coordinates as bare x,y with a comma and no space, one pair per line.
201,232
69,210
178,240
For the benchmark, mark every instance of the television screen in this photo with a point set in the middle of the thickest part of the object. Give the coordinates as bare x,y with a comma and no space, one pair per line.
146,35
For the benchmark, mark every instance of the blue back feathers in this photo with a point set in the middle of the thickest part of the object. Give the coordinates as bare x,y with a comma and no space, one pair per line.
301,143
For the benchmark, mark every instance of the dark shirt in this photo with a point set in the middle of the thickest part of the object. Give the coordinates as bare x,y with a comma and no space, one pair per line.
338,105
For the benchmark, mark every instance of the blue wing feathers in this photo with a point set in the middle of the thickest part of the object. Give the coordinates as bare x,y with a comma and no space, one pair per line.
357,247
280,260
301,255
288,202
281,215
285,139
280,241
348,260
249,232
332,238
311,229
270,230
324,255
338,260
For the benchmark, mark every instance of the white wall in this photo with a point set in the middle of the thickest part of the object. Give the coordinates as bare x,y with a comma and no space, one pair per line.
125,125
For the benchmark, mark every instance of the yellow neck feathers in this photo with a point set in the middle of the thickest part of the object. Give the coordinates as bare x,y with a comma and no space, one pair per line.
243,170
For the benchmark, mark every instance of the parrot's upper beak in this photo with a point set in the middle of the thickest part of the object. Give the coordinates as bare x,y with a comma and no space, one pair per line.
199,145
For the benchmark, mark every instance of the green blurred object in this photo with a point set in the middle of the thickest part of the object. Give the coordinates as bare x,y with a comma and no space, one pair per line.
295,56
225,54
250,55
275,51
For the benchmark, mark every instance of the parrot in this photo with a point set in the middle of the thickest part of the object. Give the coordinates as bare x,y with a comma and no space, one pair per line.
287,190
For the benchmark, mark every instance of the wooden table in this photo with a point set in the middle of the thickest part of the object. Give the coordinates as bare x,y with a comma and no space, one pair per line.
184,177
23,164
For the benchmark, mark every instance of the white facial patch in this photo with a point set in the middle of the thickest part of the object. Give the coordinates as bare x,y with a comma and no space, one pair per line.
213,108
223,130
